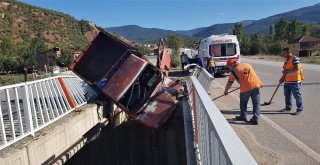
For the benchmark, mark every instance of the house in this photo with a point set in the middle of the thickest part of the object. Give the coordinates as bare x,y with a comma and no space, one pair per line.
305,46
47,59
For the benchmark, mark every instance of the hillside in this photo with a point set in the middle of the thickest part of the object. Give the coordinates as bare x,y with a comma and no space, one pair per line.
139,34
308,14
20,23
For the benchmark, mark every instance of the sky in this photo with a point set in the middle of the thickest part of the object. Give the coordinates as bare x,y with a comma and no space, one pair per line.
170,14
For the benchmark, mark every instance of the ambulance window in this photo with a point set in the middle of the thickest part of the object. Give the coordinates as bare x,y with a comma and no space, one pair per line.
220,50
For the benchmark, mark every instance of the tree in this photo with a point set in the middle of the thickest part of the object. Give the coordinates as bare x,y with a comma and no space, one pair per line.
306,30
65,59
175,42
272,32
258,45
288,30
1,63
245,45
175,60
294,30
10,64
281,29
84,26
238,30
276,46
315,30
6,47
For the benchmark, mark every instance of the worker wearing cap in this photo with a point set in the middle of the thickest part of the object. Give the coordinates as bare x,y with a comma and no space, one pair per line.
292,77
250,85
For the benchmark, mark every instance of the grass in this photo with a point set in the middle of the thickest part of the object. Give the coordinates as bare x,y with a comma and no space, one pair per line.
7,79
176,73
307,60
311,60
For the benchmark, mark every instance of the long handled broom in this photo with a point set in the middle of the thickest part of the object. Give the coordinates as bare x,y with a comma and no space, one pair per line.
228,92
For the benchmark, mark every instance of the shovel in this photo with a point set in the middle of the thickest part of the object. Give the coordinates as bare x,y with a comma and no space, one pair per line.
228,92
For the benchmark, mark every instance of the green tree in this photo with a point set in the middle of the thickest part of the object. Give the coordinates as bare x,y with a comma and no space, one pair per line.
28,52
1,63
288,30
272,32
175,42
6,47
276,46
281,29
294,30
175,59
245,45
315,30
306,30
65,59
10,64
258,44
238,30
84,26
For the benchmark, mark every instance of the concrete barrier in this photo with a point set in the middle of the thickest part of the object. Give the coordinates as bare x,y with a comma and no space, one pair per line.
56,142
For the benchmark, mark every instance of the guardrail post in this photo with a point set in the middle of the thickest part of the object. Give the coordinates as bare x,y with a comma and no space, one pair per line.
194,102
27,109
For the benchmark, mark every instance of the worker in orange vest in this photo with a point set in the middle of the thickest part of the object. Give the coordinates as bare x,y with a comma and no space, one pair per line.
250,85
292,77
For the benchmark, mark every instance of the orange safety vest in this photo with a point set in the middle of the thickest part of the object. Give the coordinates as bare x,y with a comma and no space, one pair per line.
293,76
246,77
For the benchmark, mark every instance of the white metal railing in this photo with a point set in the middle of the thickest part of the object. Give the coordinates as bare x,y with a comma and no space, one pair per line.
204,77
214,140
27,107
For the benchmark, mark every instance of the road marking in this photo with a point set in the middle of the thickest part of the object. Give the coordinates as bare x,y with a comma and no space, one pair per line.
263,73
306,149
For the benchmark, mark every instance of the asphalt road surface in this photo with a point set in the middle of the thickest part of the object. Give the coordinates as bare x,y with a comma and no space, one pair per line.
280,138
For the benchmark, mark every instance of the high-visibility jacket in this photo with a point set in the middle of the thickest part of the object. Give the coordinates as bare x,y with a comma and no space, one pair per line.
293,76
211,63
247,78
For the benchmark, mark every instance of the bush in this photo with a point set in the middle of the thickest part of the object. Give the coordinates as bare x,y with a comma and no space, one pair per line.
175,60
276,47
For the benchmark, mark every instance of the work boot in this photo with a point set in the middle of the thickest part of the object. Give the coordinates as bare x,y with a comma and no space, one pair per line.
297,113
285,109
241,118
254,121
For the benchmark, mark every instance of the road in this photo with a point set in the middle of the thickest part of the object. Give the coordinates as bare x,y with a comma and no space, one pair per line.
280,138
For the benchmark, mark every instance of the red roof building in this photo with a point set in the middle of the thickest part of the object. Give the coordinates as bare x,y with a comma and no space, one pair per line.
305,46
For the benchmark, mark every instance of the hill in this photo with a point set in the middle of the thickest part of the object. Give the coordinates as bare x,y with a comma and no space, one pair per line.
139,34
308,14
20,23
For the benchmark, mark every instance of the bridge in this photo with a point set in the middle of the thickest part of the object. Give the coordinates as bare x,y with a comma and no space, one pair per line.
48,121
78,132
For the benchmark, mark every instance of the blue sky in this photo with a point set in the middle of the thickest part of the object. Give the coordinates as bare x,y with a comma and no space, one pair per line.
170,14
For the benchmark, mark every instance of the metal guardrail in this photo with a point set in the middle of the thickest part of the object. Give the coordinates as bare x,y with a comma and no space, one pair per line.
214,141
27,107
204,77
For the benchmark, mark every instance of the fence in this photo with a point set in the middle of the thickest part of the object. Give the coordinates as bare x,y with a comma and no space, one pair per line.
213,141
27,107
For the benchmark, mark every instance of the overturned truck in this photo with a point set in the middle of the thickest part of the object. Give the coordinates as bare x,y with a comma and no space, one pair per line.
117,71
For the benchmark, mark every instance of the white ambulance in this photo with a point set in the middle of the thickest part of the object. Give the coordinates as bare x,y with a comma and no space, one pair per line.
221,48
